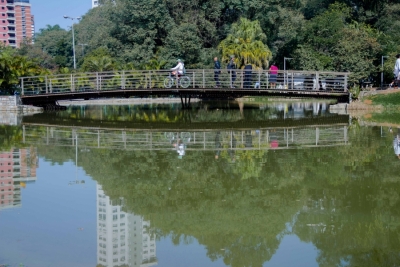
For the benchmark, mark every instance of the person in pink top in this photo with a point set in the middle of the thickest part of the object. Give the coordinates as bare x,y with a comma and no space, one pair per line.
273,73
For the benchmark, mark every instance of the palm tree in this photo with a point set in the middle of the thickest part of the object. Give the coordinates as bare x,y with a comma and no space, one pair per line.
246,42
12,67
98,64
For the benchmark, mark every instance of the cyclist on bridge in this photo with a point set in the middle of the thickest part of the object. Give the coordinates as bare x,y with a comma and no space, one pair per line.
178,69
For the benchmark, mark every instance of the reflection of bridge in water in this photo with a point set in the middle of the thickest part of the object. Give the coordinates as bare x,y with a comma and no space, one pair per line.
207,140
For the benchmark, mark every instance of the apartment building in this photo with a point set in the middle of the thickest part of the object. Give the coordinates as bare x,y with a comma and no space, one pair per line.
16,22
95,3
17,169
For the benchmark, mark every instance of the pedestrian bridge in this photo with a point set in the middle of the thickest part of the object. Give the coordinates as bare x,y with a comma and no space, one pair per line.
46,90
86,138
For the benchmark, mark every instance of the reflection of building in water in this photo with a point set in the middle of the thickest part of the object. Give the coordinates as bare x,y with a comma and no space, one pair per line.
17,168
122,238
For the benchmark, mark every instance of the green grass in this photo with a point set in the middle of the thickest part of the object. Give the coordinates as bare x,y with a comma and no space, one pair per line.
386,117
389,100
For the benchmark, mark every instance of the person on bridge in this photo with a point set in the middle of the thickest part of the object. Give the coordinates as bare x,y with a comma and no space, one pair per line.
396,72
231,67
178,69
217,72
273,73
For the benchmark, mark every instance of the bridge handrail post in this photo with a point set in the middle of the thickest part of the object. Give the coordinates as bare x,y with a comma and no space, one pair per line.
292,86
72,83
46,83
204,80
150,87
22,86
259,79
317,81
50,86
194,86
345,83
123,80
97,81
241,78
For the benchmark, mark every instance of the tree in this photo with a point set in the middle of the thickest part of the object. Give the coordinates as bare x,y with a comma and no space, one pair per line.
36,54
56,42
98,60
13,66
246,42
183,42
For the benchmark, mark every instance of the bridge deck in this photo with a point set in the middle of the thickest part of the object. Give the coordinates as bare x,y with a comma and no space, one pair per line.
41,90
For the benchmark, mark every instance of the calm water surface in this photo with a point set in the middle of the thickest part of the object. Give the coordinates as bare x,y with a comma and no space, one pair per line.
283,184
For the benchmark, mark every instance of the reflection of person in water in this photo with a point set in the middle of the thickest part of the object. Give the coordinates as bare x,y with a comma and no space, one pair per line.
396,144
180,148
274,140
218,145
248,139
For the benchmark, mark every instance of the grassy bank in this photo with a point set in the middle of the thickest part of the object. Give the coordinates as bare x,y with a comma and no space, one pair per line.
386,117
388,100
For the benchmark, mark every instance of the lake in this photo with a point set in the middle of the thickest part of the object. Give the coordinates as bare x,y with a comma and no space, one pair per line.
221,184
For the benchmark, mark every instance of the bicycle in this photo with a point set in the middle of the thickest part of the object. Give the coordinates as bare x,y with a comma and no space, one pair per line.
183,81
174,136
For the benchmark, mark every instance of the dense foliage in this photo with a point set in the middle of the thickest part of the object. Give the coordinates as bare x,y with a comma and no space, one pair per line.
13,66
340,35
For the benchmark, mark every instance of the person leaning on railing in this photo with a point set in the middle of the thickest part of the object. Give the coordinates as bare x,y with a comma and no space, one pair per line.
273,73
217,72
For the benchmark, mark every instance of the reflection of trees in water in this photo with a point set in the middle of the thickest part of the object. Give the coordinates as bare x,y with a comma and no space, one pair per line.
346,198
201,112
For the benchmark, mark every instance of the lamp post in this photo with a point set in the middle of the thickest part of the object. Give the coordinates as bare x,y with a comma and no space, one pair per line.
284,68
383,58
83,51
73,36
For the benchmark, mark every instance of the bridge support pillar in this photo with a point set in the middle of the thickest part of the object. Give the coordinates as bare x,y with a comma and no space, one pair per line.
186,103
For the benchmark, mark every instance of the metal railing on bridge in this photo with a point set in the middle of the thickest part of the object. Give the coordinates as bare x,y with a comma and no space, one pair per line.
206,79
211,140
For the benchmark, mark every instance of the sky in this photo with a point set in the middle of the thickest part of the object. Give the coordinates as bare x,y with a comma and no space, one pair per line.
51,12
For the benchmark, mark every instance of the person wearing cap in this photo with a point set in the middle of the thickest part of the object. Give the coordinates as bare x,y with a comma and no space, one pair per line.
396,71
178,69
231,67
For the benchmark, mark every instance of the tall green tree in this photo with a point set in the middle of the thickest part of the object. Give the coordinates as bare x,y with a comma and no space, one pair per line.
246,42
13,66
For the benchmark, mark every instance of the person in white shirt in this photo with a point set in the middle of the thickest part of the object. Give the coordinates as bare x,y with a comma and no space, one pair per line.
178,69
396,71
396,144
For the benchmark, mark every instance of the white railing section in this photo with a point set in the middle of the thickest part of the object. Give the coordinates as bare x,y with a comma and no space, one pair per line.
205,79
